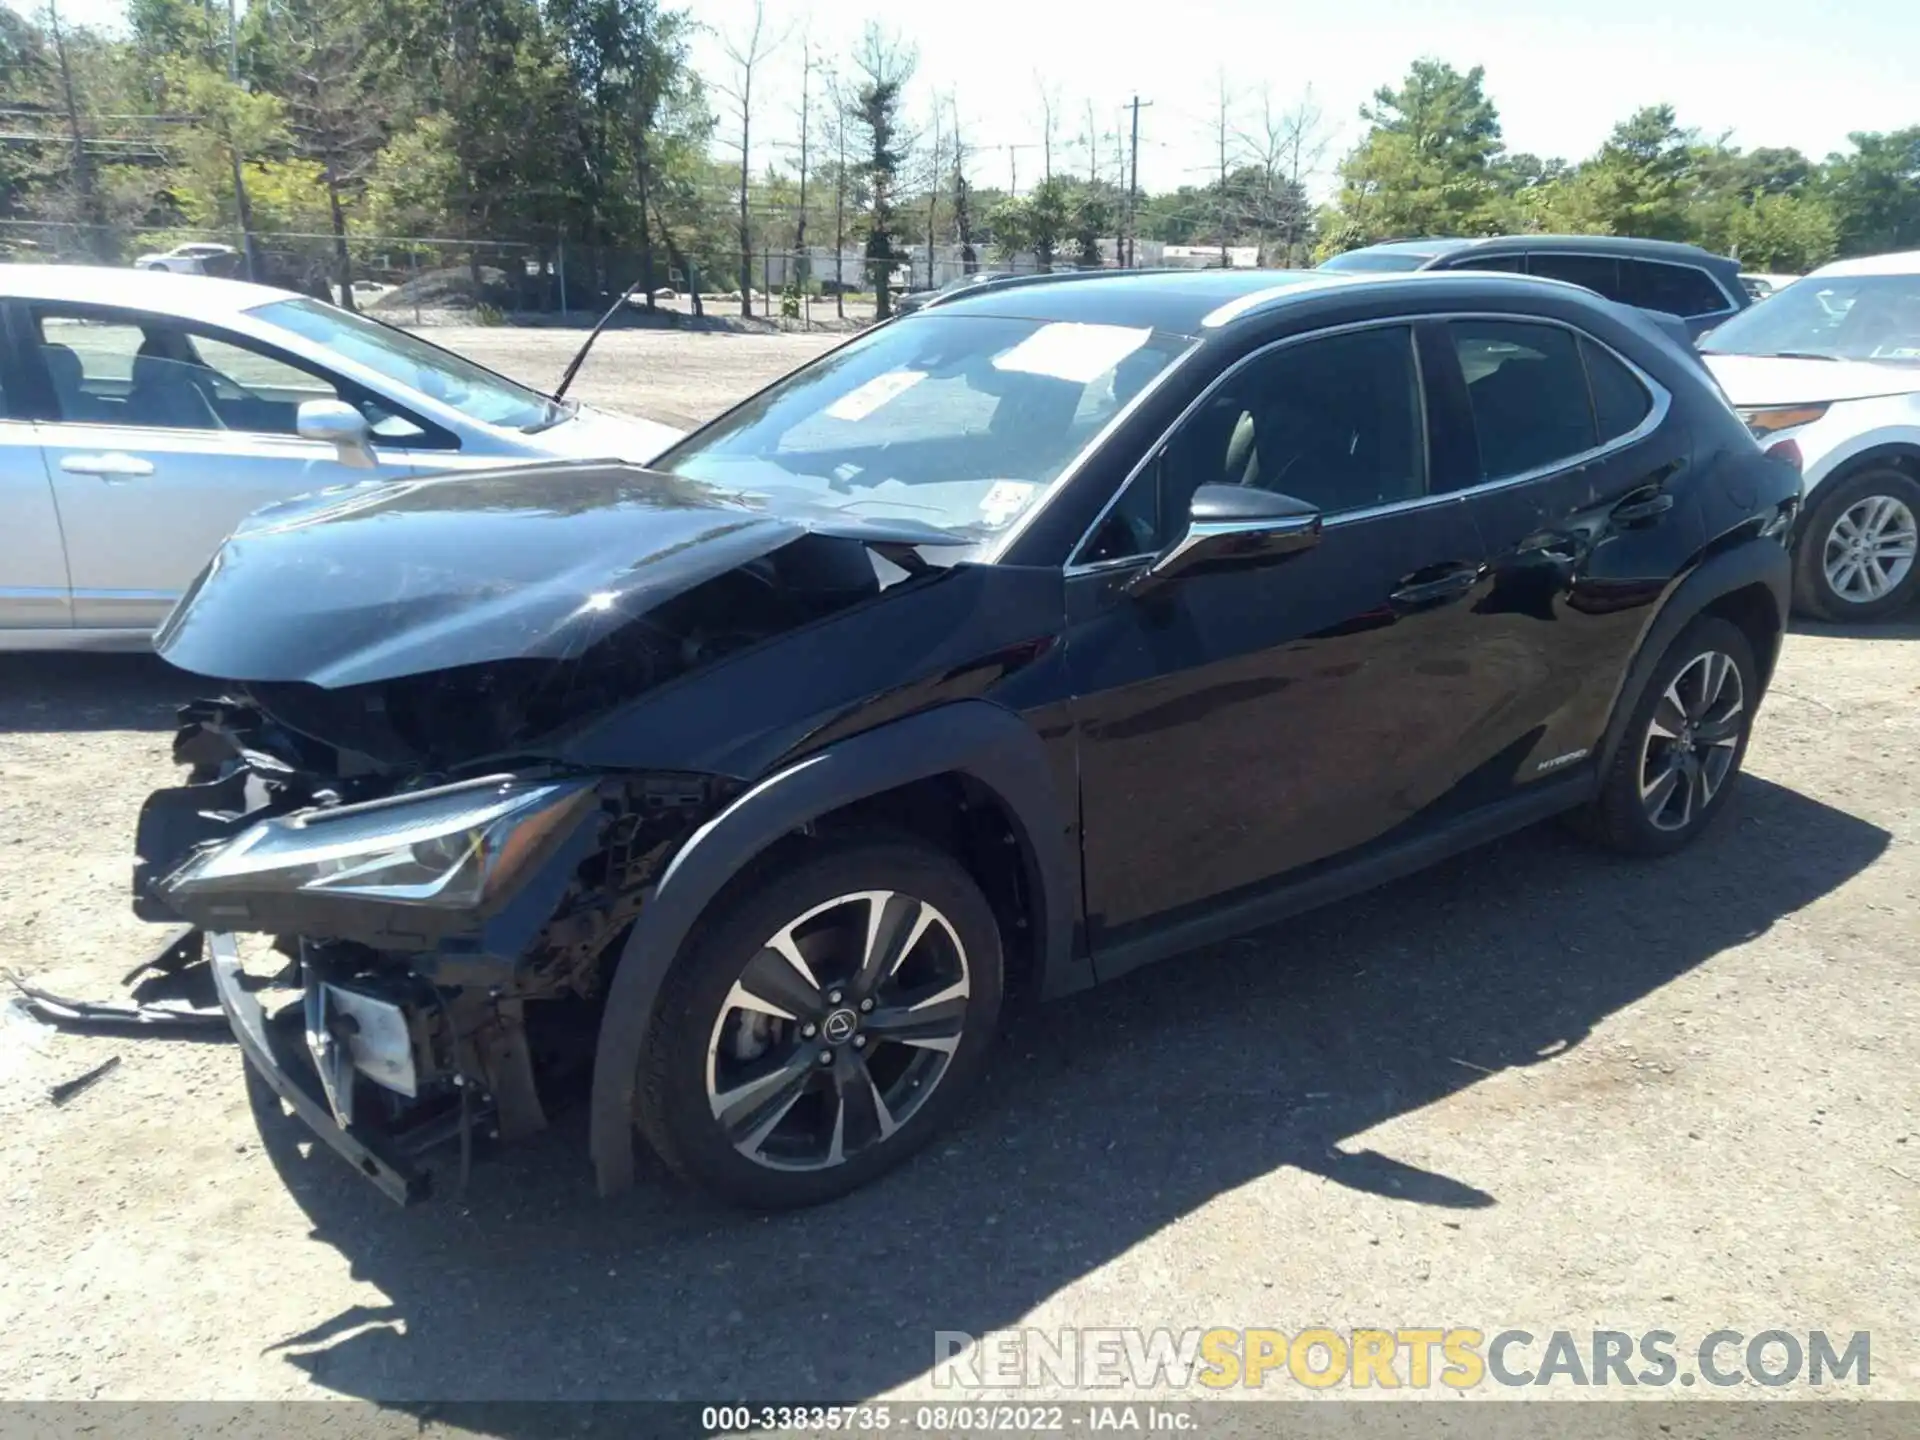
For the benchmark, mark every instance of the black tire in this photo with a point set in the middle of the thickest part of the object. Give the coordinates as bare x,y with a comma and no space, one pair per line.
696,1015
1623,816
1813,591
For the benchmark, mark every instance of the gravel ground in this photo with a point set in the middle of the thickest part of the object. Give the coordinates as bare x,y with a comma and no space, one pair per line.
665,375
1533,1087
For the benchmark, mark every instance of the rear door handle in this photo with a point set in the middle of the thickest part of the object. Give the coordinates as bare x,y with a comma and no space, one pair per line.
1426,588
113,466
1633,511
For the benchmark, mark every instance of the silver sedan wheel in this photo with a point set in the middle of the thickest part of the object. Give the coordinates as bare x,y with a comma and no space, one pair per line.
1870,549
838,1030
1692,740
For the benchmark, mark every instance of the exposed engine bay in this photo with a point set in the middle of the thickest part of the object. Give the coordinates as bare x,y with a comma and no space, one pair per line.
441,910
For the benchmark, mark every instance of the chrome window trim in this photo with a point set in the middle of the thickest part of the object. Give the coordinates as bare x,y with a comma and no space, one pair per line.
1655,417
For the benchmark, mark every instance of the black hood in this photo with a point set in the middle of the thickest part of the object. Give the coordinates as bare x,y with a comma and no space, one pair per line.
385,580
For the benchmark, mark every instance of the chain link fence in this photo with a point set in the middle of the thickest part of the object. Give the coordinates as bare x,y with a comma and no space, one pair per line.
436,280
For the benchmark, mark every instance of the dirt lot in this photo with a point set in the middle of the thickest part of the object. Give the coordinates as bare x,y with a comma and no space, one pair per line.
1534,1087
681,379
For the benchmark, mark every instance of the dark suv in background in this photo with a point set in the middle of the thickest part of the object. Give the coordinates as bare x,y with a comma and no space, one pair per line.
1700,287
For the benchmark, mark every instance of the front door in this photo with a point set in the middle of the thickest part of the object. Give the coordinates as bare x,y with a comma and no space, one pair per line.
167,436
33,559
1239,725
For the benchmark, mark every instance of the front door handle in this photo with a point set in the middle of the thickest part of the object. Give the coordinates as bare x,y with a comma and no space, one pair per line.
1435,585
113,466
1636,509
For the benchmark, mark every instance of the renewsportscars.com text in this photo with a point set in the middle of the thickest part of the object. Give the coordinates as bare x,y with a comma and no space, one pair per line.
1414,1357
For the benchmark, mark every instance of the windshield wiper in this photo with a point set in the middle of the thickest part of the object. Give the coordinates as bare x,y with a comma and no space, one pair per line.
1801,355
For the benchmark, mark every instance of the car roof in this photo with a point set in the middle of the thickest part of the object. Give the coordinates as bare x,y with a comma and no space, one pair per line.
1901,262
1194,302
163,291
1436,246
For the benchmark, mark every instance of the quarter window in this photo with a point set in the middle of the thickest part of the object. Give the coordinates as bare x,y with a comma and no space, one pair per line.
1676,289
1620,401
1528,393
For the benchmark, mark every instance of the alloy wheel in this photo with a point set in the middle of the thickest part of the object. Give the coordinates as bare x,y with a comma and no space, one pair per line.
838,1030
1692,740
1870,549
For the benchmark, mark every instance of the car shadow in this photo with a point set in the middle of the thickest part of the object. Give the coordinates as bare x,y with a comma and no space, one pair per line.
1106,1118
42,694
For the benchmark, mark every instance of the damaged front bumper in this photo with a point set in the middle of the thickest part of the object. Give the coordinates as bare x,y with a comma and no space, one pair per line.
277,1053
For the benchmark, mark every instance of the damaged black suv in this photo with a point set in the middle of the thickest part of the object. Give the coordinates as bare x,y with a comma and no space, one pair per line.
1004,648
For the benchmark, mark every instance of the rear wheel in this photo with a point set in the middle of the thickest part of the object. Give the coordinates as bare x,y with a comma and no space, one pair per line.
1856,557
829,1026
1683,746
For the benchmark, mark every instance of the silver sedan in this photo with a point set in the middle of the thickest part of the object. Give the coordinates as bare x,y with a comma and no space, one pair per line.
143,414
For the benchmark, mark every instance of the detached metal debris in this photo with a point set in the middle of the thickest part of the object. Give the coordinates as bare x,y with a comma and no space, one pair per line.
181,950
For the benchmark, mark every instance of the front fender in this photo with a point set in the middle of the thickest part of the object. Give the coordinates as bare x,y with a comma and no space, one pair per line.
981,740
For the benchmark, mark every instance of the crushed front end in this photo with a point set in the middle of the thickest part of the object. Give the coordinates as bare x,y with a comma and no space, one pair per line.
411,959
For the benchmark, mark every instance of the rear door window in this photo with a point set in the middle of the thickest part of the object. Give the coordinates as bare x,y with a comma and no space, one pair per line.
1683,290
1597,272
1527,390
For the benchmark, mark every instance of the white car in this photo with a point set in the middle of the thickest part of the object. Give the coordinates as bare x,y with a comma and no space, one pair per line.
1832,365
143,415
197,257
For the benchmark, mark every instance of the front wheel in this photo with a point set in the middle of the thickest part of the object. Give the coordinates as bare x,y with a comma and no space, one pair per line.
1683,746
1855,560
824,1029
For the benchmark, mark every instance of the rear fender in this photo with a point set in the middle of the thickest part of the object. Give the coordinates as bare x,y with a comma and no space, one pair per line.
1750,562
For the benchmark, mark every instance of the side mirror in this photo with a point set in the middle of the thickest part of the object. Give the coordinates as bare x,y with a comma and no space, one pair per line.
338,424
1234,527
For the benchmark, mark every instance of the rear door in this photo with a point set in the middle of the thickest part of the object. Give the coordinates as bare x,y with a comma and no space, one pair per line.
166,435
1570,470
33,559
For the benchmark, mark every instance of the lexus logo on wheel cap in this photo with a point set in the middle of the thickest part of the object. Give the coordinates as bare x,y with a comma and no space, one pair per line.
839,1026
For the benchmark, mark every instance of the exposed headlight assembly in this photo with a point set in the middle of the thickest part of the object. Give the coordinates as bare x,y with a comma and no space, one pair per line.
448,848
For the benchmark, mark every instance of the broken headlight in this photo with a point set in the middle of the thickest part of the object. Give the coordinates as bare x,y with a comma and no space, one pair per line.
449,848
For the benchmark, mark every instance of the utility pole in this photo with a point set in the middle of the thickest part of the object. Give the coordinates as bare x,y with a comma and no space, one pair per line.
1133,180
97,238
1013,164
1222,218
240,201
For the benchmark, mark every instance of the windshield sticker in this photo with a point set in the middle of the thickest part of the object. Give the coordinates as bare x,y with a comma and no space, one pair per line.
1005,500
1079,353
863,400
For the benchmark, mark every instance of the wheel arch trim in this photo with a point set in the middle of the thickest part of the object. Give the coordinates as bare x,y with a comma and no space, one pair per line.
1741,566
1836,468
974,738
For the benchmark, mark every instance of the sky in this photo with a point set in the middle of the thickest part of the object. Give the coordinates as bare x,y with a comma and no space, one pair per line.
1768,72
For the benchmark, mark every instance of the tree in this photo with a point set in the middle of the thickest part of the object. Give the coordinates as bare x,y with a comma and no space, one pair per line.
744,53
962,195
1790,234
1287,146
316,54
1640,181
1426,167
885,66
1875,192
